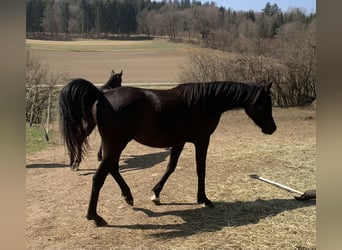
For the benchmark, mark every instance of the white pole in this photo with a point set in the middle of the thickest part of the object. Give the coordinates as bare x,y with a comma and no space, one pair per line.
276,184
48,114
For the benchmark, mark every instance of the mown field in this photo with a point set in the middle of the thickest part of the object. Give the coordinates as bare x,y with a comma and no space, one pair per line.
248,214
141,61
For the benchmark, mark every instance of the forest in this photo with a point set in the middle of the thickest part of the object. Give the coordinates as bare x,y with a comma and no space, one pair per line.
193,21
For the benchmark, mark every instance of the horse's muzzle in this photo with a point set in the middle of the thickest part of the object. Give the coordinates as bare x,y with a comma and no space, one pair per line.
270,130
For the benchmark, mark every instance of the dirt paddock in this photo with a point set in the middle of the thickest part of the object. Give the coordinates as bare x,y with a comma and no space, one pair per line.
248,214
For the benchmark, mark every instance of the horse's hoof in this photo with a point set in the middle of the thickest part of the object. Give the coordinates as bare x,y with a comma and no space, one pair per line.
74,166
155,200
128,198
98,220
206,203
210,205
129,201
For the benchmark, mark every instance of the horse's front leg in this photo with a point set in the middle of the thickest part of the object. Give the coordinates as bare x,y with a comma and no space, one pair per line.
201,155
174,156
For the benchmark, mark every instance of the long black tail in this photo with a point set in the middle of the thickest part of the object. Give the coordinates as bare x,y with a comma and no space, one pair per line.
75,115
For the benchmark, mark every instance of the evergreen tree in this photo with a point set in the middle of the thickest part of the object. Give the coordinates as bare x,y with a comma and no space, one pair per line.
65,16
34,15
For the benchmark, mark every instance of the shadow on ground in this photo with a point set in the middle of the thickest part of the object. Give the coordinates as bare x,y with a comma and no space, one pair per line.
136,162
222,215
131,163
47,165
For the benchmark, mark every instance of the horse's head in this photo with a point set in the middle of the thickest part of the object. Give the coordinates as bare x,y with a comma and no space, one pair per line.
115,79
260,110
117,74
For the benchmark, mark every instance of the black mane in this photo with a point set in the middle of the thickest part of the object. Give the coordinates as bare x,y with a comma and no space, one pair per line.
234,94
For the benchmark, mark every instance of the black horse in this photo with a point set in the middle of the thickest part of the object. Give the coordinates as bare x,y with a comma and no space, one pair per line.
114,81
158,118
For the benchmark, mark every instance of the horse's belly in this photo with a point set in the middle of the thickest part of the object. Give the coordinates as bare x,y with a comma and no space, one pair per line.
159,139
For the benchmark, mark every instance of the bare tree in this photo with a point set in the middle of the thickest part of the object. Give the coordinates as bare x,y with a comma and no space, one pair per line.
40,90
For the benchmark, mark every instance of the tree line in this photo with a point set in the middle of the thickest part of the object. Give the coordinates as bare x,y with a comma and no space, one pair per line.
177,19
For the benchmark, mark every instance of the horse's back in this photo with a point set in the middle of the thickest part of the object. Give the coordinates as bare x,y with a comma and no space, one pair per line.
123,97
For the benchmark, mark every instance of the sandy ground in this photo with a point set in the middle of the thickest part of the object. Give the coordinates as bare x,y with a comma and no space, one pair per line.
248,214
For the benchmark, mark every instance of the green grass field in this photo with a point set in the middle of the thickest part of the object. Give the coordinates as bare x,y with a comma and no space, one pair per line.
35,138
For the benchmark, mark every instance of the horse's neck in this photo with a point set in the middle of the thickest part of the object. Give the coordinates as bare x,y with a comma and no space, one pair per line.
229,101
108,85
105,87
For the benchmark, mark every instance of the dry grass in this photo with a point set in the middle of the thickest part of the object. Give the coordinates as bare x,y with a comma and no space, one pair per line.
141,61
248,214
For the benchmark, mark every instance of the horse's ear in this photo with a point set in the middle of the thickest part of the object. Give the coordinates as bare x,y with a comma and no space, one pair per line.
113,72
121,72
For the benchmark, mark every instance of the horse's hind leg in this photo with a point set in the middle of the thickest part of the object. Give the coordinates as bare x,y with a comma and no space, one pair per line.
98,181
174,156
114,171
109,164
125,190
99,153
